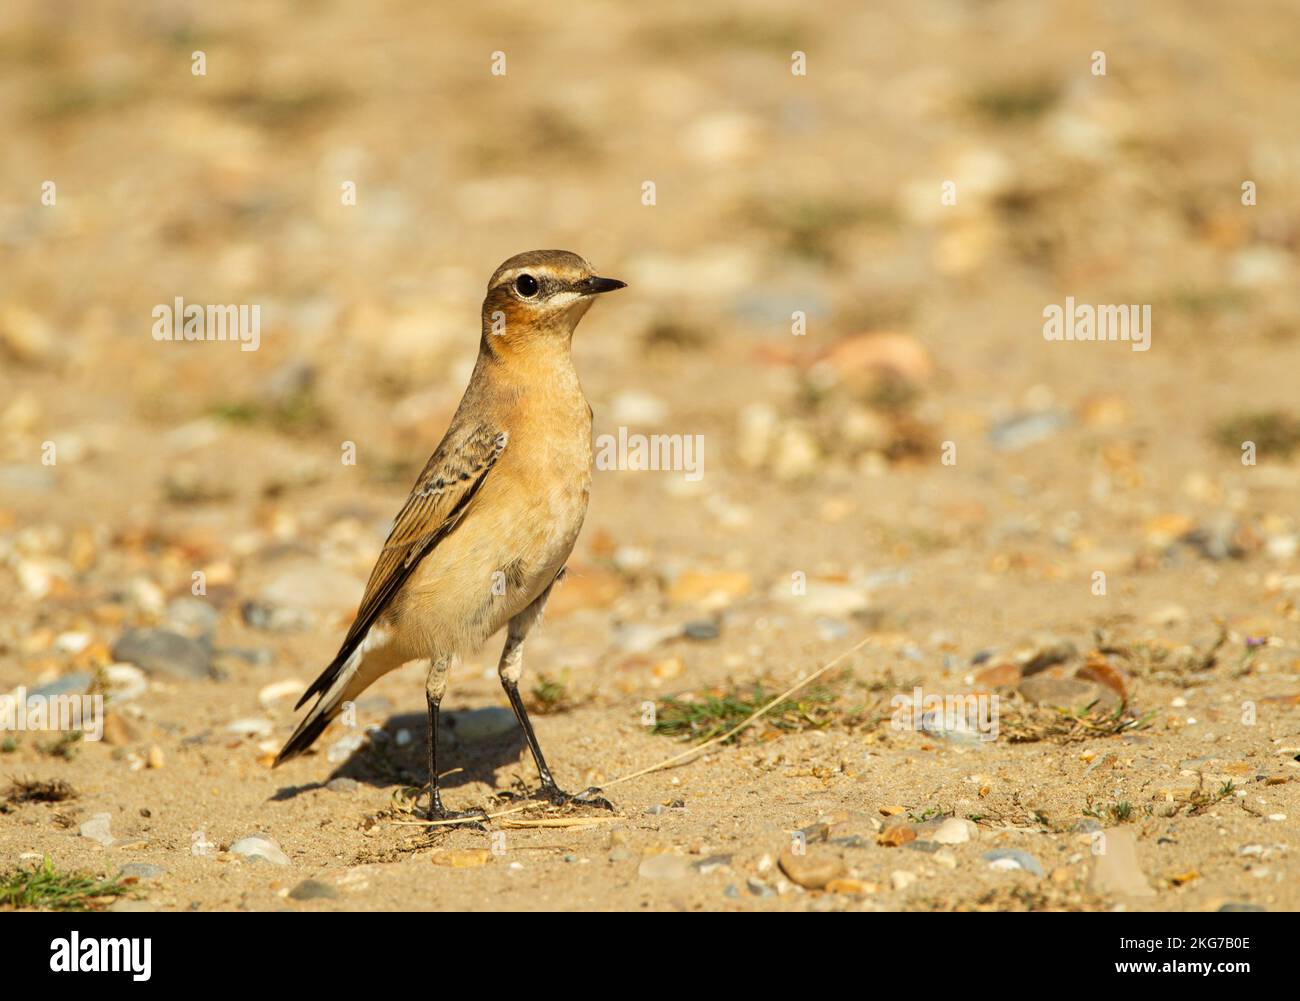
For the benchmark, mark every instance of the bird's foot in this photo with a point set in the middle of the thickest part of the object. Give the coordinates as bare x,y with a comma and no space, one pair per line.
474,819
590,796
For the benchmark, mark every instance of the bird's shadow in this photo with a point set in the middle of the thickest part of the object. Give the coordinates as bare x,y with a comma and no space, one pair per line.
384,762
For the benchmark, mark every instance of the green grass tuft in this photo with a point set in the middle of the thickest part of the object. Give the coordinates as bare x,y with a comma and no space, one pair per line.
46,888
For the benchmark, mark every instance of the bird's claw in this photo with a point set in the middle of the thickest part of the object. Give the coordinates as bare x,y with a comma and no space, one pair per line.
591,796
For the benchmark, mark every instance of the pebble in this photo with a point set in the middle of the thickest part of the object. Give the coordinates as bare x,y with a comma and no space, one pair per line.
461,858
345,747
1013,858
813,869
665,867
1117,870
642,637
303,590
142,870
709,590
313,889
901,879
258,847
342,784
1066,693
69,684
476,725
97,829
823,599
630,407
125,682
954,831
758,888
702,629
157,651
252,727
1016,433
191,616
279,690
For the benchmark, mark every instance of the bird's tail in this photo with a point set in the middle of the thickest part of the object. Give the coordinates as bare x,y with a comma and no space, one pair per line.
354,669
328,705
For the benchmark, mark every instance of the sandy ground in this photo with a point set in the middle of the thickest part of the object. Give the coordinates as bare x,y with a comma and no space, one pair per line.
1057,525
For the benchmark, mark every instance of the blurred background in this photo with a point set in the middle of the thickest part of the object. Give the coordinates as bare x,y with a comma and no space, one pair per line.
774,194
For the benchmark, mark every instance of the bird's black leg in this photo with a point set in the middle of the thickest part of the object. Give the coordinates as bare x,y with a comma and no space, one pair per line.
589,797
434,689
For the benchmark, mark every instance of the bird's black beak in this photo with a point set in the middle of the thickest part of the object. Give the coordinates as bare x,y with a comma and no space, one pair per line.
594,285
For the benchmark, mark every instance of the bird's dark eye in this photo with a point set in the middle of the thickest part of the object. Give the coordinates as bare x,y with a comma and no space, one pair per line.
526,285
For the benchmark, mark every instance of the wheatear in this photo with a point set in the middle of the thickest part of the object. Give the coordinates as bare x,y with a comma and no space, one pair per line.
487,528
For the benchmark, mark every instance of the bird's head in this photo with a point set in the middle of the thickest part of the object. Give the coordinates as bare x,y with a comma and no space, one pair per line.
541,293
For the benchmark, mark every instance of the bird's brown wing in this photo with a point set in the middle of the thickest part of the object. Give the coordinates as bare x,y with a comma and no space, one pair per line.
451,479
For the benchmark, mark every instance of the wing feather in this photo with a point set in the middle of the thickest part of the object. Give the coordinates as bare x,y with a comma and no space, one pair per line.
439,500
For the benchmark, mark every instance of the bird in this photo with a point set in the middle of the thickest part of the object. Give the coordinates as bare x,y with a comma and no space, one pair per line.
492,519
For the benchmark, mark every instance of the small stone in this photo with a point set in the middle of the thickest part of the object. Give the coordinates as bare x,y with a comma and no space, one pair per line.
303,591
1240,908
1045,652
709,590
156,759
702,629
1003,675
813,869
1116,869
191,616
142,870
665,867
125,682
1066,693
157,651
258,847
252,727
69,684
476,725
313,889
894,837
1013,858
642,637
277,690
758,888
954,831
97,829
342,784
345,747
854,887
461,858
1019,432
901,879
